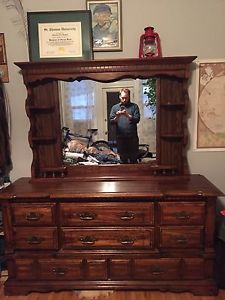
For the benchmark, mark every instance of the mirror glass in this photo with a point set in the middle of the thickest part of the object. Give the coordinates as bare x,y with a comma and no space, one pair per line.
88,136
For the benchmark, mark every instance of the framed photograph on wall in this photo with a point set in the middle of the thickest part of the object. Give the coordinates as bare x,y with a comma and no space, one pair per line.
210,106
60,35
106,24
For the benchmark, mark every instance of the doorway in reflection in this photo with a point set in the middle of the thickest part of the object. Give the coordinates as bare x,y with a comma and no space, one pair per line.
86,105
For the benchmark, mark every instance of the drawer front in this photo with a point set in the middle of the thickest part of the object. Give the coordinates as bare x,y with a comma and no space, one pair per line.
120,269
97,214
157,269
33,214
185,213
194,268
35,238
60,269
181,237
25,269
108,238
96,269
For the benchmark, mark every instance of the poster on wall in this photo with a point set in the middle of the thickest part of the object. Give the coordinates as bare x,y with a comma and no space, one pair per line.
210,106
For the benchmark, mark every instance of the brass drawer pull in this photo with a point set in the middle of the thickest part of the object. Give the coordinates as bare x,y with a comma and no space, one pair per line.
88,240
183,215
181,239
126,216
33,216
157,272
126,241
34,240
59,271
87,216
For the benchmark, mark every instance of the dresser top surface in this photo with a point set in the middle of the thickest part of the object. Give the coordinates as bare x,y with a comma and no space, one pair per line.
191,185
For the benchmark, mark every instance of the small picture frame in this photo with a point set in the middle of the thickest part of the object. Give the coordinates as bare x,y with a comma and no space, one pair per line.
60,35
106,24
4,74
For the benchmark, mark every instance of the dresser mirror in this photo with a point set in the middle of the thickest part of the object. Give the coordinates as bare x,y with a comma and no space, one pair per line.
89,138
44,109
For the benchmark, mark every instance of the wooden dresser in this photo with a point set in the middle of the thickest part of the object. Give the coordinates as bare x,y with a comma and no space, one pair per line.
149,234
131,227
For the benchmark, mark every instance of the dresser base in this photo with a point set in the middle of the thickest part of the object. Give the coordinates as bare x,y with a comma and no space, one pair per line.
198,288
158,236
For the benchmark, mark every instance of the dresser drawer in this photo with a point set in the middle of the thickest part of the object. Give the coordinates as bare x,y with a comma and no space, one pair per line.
25,269
181,237
108,238
72,269
33,214
183,213
157,269
35,238
96,269
194,268
60,269
108,214
120,269
145,269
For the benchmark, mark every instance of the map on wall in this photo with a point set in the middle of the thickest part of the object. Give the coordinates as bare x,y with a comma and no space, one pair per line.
210,110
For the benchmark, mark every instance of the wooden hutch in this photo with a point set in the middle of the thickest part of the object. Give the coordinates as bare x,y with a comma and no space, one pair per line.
131,227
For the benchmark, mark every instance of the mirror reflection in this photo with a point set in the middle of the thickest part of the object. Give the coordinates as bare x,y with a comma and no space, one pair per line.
88,135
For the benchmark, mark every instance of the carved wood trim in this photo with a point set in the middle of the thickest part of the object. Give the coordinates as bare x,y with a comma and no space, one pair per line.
42,107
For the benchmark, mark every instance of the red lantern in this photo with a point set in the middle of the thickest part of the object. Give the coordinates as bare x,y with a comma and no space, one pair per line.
149,44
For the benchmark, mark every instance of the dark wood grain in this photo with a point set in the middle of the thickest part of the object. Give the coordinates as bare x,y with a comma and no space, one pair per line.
156,233
126,227
42,107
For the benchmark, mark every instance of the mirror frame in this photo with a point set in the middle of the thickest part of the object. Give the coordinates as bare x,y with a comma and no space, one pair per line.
43,110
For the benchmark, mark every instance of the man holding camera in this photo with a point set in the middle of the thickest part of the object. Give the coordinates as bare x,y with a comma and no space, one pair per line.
126,115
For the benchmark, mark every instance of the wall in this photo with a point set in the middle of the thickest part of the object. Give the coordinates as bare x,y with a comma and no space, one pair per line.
185,27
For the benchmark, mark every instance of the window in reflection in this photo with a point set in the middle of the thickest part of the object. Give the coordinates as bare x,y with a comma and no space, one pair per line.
86,105
78,105
149,97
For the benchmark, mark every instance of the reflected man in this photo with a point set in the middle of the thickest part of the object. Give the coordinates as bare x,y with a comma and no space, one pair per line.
125,116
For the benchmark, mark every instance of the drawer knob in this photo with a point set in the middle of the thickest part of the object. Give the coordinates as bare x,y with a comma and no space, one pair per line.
88,240
34,240
126,241
59,271
126,216
33,216
183,215
87,216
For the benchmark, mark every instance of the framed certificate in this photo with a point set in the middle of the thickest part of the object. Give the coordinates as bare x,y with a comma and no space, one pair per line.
60,35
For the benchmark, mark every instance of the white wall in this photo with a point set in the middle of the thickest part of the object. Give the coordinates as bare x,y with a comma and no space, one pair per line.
193,27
